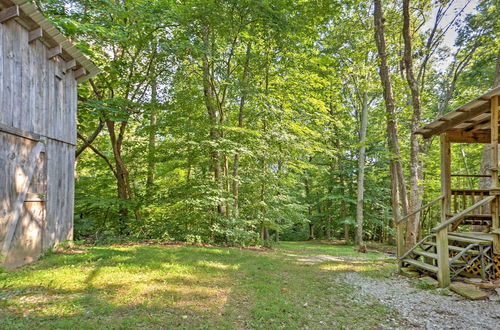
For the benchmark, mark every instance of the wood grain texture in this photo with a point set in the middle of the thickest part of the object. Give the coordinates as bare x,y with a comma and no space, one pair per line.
36,93
38,102
9,13
23,181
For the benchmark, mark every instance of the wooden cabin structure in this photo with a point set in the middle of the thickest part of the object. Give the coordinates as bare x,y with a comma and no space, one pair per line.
453,248
39,72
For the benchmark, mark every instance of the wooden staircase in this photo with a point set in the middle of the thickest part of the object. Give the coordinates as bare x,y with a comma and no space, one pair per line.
465,251
473,220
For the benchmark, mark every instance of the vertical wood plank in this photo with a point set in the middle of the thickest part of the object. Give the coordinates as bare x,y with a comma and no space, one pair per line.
8,69
443,258
442,235
2,58
445,172
17,75
24,69
495,214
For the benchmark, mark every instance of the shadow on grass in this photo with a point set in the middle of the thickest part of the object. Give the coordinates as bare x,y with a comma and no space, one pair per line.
180,287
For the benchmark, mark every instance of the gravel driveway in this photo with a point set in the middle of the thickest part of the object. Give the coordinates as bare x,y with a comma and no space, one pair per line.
424,309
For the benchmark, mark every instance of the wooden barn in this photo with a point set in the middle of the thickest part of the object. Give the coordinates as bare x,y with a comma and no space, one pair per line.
39,72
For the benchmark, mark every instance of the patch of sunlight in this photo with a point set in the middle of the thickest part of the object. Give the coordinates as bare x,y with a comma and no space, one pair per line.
218,265
62,304
351,267
188,296
199,298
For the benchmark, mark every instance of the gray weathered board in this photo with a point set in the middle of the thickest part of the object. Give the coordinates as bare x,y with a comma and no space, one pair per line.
38,102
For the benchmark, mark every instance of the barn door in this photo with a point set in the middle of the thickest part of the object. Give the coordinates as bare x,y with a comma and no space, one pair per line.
22,198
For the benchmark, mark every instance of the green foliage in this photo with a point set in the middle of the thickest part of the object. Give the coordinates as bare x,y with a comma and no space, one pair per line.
269,93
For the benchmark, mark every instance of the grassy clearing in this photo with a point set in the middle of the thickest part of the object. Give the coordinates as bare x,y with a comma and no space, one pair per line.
155,286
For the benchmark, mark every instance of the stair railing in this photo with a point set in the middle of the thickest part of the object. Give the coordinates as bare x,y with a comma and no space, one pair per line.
441,231
400,228
419,244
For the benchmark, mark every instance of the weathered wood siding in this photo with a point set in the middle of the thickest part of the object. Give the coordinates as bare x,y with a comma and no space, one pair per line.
60,192
15,164
38,96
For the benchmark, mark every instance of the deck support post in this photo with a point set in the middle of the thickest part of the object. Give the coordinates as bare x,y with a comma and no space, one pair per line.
495,212
442,235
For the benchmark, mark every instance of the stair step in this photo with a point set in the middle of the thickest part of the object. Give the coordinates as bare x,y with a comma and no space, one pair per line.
454,248
426,254
458,238
421,265
434,256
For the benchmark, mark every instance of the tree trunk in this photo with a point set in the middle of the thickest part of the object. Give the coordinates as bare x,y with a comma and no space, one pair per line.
361,170
343,207
397,177
496,81
236,165
152,139
121,172
209,96
309,207
415,163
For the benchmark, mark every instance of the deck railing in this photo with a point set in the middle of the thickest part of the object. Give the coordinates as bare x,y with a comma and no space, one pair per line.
461,199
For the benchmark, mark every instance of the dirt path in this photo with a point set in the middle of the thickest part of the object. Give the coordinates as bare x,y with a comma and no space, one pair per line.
419,309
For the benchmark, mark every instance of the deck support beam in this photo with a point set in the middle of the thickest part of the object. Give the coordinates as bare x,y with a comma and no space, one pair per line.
495,209
442,235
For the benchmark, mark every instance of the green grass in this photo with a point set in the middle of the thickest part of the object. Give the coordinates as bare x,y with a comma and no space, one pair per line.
161,286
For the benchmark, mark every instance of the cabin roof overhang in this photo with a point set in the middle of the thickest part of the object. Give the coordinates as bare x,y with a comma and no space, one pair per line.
32,19
470,122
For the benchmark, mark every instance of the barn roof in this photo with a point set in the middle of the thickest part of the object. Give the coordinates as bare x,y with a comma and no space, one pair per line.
28,15
472,118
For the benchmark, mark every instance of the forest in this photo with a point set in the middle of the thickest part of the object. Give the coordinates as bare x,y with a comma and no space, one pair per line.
245,122
249,164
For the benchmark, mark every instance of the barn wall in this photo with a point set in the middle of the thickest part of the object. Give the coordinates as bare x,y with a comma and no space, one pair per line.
60,192
15,164
37,95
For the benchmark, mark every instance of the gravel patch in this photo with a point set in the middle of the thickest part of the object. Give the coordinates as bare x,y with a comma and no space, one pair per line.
422,309
322,258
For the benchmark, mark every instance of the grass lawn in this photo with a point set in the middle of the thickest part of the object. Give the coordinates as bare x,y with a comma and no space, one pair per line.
163,286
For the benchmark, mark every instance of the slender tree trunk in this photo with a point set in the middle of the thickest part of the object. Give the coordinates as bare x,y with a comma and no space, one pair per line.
151,166
343,207
496,81
210,99
415,163
236,165
361,170
309,207
397,177
329,216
